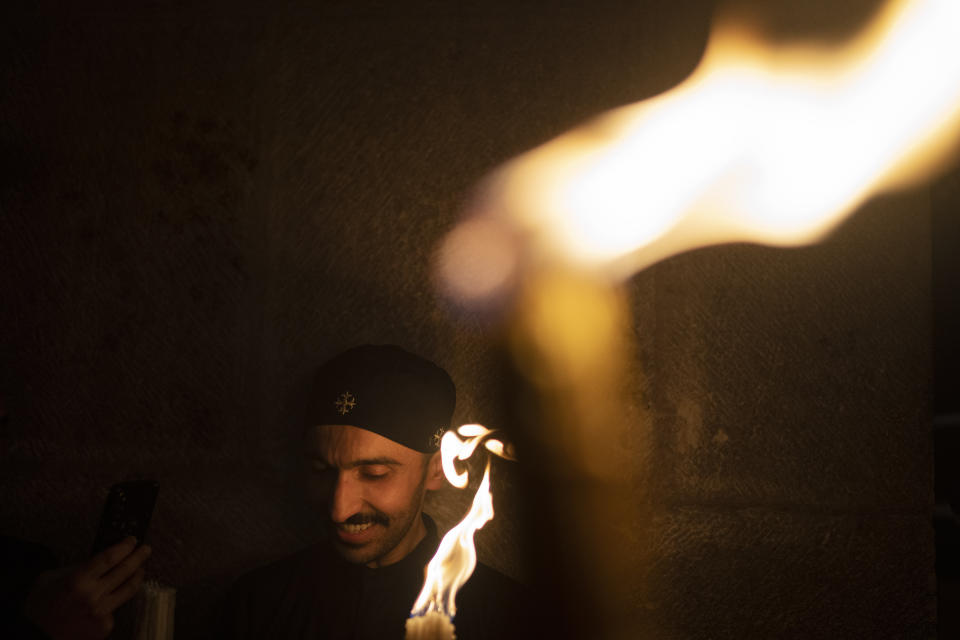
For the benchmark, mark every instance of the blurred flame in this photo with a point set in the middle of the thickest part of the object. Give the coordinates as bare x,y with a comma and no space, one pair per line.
761,144
456,557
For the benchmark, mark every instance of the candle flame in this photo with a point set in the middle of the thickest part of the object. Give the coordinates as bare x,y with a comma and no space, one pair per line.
763,143
456,557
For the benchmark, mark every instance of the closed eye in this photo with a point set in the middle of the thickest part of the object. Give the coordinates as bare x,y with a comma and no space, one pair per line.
374,472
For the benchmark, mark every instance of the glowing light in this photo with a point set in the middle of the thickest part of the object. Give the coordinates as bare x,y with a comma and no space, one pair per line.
485,253
765,144
456,556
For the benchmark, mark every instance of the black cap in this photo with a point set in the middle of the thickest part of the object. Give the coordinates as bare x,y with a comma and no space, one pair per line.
386,390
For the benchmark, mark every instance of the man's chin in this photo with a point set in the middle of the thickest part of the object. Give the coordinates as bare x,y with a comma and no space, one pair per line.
356,553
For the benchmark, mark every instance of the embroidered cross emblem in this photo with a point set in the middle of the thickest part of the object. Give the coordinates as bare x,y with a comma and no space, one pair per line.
345,403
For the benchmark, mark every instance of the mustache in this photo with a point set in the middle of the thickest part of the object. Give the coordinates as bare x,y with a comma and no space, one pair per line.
364,518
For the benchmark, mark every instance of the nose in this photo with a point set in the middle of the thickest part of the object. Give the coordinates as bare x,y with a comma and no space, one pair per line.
346,498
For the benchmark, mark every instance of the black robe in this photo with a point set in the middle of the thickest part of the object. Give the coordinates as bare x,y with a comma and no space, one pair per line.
316,594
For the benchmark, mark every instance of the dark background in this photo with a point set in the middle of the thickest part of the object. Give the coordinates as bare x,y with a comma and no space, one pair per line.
203,201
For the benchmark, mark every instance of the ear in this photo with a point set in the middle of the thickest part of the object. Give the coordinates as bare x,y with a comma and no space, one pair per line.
435,478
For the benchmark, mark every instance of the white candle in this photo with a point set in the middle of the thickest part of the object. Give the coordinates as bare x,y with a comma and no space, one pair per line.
156,612
433,625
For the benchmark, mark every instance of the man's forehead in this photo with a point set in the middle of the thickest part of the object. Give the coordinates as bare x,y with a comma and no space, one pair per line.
345,443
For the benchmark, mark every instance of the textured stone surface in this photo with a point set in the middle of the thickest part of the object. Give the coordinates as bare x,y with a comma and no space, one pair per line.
765,360
198,204
725,573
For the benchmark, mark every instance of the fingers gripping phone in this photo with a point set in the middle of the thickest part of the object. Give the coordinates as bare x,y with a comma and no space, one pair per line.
126,512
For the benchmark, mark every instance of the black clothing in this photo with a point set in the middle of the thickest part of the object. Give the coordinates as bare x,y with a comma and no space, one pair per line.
21,563
316,594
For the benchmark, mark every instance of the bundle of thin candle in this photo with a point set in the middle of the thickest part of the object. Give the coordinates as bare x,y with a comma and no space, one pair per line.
764,142
156,611
455,559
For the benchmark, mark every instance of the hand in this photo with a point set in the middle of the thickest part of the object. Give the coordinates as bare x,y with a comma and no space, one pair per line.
77,603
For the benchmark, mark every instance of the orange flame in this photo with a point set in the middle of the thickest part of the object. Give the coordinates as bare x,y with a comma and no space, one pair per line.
456,556
765,144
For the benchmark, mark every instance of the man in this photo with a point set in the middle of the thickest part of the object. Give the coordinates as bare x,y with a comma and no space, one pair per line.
371,444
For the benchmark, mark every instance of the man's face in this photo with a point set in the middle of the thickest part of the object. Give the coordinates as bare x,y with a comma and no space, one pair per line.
373,490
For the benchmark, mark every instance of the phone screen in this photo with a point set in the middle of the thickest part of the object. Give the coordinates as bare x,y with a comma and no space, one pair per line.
126,513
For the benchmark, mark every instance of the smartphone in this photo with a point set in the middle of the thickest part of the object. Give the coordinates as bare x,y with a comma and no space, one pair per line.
126,513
